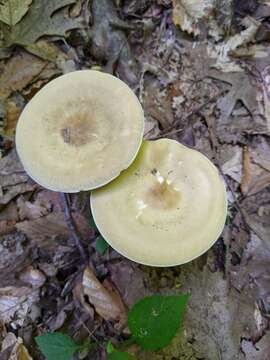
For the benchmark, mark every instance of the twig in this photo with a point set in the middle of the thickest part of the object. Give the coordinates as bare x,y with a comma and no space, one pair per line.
90,333
72,227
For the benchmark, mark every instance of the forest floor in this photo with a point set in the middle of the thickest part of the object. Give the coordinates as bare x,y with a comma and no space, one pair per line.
202,72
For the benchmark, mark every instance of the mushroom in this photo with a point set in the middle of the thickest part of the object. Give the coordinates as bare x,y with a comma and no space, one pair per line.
80,131
166,209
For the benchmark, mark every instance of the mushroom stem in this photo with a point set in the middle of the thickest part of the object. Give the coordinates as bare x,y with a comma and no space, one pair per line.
72,227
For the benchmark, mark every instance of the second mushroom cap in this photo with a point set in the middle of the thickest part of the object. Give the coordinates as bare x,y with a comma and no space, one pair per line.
168,208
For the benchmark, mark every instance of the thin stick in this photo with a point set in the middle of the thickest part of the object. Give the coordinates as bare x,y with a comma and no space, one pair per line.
72,227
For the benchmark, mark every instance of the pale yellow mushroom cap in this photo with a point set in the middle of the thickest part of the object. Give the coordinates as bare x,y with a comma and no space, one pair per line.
80,131
168,208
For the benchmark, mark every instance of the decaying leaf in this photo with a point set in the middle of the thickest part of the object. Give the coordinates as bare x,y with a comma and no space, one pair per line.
261,154
221,52
107,302
217,317
43,19
32,277
12,11
76,9
18,72
258,351
46,50
32,211
261,231
13,110
10,164
188,13
17,349
16,302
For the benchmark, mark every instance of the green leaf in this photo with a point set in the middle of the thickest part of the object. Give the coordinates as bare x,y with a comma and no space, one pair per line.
101,245
154,320
43,18
57,346
119,355
110,348
12,11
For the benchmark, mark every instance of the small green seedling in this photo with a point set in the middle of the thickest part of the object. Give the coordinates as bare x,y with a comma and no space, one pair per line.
59,346
114,354
153,323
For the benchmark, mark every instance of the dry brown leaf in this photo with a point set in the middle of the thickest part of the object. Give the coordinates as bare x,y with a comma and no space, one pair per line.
124,273
78,294
19,351
45,227
52,225
246,177
106,302
31,211
16,302
12,191
18,72
259,181
6,226
256,167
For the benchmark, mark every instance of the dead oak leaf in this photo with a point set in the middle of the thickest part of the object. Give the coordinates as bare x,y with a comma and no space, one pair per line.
31,211
43,18
12,11
106,300
47,51
188,13
52,225
241,90
19,71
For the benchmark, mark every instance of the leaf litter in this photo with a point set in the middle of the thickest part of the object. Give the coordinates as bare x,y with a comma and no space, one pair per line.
202,75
